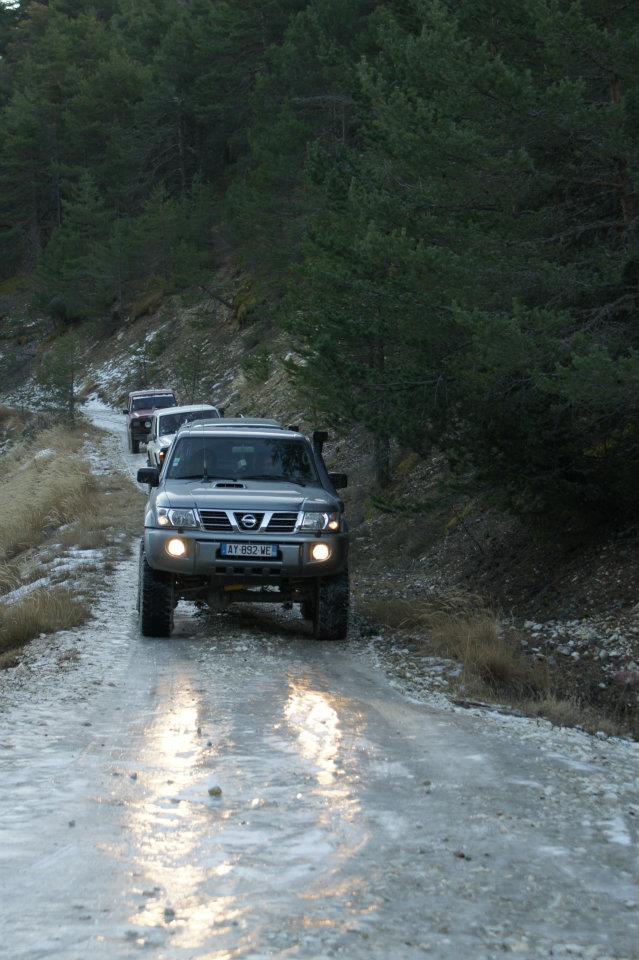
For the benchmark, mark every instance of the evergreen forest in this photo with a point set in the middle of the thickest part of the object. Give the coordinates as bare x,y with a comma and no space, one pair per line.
438,200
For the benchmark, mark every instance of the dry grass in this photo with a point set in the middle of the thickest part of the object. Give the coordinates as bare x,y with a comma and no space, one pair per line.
43,611
495,667
42,494
10,576
85,392
458,626
48,503
115,509
409,614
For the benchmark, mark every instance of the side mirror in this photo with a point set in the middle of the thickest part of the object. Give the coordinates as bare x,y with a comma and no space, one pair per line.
339,480
125,412
150,475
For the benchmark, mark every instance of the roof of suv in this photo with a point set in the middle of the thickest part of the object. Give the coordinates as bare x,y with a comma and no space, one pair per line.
188,408
152,393
233,423
239,425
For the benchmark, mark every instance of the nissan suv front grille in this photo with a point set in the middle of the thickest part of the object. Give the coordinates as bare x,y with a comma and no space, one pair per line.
282,523
249,521
215,520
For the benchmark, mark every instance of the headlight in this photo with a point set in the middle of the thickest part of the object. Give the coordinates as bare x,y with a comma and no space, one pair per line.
320,521
176,547
321,551
177,518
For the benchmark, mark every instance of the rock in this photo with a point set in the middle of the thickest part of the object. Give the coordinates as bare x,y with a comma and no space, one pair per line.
169,913
71,823
461,855
215,791
627,678
133,776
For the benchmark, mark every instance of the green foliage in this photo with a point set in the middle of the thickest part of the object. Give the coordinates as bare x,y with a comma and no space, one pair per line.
188,368
437,200
257,366
59,376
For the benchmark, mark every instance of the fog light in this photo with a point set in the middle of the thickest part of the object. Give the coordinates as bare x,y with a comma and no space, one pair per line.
321,551
176,548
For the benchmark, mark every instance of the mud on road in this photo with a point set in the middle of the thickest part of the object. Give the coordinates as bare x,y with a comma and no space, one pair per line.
352,820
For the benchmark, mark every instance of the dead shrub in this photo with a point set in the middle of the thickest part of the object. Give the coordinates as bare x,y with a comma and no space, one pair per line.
43,611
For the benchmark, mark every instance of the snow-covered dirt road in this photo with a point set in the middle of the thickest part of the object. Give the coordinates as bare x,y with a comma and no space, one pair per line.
352,821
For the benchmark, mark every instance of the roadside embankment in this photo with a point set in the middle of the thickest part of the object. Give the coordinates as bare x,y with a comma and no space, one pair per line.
65,516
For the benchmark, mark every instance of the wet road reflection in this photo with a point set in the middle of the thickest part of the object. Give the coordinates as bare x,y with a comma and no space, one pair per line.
167,826
205,868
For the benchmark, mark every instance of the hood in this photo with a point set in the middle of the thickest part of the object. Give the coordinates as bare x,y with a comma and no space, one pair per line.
142,414
255,495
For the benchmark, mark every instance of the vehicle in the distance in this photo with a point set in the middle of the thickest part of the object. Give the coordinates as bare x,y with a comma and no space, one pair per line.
139,412
244,510
165,424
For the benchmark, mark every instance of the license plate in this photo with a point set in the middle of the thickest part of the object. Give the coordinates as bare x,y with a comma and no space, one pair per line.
248,550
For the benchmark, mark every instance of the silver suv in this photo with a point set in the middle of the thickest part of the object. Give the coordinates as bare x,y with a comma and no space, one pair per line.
166,423
244,510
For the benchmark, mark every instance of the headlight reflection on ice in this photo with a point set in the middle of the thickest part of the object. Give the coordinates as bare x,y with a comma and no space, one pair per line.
169,830
318,732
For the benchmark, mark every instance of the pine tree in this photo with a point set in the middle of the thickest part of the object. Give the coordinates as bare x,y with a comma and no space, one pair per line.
73,272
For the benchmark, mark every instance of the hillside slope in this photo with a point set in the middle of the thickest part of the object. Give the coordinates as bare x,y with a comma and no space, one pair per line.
570,596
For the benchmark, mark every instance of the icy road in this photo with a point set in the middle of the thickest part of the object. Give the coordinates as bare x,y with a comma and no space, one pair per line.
352,821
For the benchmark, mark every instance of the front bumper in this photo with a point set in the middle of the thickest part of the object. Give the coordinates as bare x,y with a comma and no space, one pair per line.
202,557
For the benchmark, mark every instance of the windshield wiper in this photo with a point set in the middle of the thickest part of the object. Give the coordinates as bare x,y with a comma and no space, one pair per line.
270,476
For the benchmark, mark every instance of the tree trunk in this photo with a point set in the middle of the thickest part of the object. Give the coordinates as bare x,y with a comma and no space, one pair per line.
627,197
71,396
382,460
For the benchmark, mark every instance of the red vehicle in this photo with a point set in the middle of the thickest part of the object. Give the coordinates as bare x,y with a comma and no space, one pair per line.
142,403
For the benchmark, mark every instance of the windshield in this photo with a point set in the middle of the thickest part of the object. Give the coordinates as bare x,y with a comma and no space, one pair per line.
171,422
147,403
242,458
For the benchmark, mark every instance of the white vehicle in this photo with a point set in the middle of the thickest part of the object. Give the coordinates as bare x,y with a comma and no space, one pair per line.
165,424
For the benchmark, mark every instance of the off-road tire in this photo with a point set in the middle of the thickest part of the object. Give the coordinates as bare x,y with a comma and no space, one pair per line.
134,445
156,601
331,608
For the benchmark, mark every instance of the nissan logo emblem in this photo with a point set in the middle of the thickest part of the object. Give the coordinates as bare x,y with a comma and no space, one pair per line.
249,521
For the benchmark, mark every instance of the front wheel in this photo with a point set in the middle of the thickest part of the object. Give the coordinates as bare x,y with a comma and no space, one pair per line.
330,621
156,601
